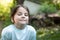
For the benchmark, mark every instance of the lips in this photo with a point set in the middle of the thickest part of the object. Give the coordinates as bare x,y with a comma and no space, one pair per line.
22,20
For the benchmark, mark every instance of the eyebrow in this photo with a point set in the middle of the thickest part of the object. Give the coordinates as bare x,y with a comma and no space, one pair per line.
21,12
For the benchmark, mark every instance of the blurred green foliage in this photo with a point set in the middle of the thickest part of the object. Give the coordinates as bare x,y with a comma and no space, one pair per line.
47,8
48,34
57,6
54,2
41,1
5,10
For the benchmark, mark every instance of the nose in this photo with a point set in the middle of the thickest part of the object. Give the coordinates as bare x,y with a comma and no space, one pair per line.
23,16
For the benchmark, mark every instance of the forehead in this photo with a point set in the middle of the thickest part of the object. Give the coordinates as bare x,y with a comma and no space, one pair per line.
21,9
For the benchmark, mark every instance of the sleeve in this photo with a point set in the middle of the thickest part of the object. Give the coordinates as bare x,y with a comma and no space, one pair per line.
33,35
5,35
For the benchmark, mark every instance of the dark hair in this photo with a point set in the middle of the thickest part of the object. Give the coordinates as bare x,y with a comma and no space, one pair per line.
14,10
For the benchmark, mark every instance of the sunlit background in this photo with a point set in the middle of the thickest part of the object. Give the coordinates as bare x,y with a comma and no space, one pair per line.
6,3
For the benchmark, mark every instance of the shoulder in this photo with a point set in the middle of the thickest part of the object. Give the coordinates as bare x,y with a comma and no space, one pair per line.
32,31
31,28
7,29
7,32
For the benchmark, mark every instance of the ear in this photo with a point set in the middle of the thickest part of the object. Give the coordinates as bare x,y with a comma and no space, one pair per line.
12,20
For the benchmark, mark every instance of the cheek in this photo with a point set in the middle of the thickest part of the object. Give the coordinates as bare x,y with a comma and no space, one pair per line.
27,18
15,18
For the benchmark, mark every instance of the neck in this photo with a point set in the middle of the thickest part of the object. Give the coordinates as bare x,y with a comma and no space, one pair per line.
20,26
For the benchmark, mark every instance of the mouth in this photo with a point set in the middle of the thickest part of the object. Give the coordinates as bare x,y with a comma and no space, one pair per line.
22,20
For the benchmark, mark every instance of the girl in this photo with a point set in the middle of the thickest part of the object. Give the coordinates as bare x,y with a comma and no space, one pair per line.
19,30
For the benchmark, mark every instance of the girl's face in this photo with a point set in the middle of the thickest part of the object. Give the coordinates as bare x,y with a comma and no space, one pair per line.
21,16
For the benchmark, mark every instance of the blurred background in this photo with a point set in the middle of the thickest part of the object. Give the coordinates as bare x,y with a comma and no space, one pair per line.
44,16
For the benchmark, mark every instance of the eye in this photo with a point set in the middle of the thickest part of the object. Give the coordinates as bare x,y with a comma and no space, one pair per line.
26,14
19,14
